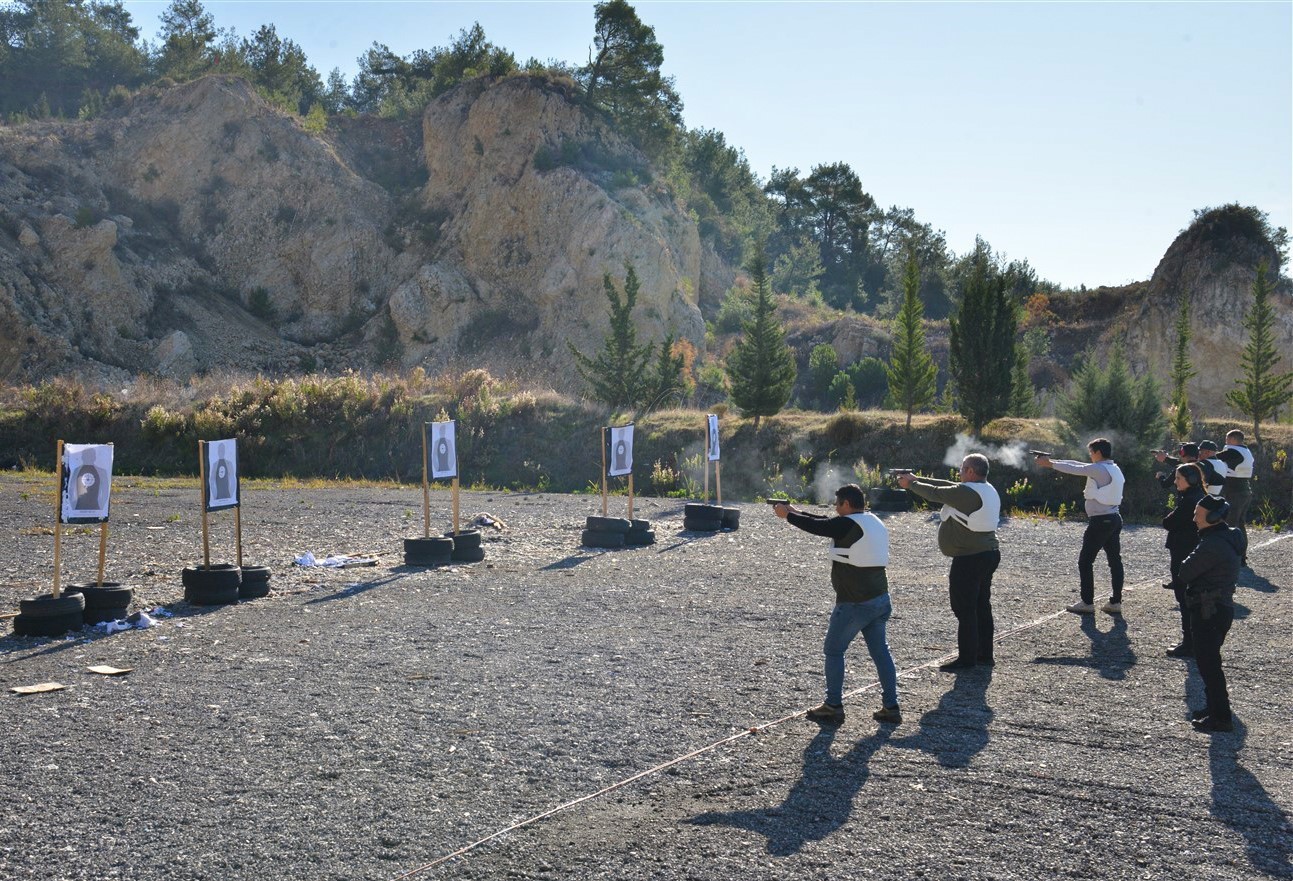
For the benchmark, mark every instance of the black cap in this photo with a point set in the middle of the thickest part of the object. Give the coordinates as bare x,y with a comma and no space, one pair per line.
1190,450
1212,503
1208,445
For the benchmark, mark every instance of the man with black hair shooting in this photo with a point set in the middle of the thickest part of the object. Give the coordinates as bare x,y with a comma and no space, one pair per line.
967,534
1103,494
1188,453
1209,574
859,552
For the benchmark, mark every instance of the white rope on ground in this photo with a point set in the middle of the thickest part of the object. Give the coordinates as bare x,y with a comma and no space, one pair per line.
529,821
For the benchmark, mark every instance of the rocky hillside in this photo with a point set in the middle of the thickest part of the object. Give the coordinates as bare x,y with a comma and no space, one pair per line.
198,228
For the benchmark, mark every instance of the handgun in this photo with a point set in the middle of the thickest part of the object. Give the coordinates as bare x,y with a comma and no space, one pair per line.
778,501
1039,454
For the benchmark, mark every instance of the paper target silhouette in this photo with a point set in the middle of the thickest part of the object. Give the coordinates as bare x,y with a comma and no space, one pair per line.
442,449
87,483
222,474
619,455
713,437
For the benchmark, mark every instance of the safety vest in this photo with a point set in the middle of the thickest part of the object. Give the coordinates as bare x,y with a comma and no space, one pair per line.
1111,493
872,549
983,520
1245,468
1221,470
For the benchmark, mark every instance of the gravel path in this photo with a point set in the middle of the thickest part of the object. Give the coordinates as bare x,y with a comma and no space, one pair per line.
362,723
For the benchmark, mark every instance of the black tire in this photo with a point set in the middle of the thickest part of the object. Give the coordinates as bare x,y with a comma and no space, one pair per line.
256,574
428,548
428,562
111,595
700,511
640,537
211,596
48,625
220,577
466,538
608,524
468,555
593,538
731,518
96,616
253,590
46,606
691,524
639,525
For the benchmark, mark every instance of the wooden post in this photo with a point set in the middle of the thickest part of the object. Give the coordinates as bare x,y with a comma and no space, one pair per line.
202,477
426,489
455,504
103,549
630,495
237,530
603,471
58,520
704,458
718,480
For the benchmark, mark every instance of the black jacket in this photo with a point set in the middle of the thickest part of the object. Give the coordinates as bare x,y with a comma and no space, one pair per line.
1210,572
1182,534
1210,476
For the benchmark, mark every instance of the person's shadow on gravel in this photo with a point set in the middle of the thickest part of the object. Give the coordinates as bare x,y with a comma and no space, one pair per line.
1111,653
956,730
819,803
1241,802
1250,579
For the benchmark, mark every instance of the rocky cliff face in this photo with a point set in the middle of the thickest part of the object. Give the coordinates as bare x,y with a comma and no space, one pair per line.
198,229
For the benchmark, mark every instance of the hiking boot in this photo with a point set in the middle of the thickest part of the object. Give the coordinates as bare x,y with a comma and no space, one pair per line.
1180,651
953,666
892,715
1112,608
829,714
1212,724
1081,608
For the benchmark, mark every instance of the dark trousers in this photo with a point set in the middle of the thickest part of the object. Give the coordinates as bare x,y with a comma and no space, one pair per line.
1240,502
1103,533
970,590
1208,634
1175,557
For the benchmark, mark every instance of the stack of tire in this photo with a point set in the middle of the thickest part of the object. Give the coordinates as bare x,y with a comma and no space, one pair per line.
104,602
255,582
466,546
883,498
49,615
697,517
617,532
214,586
434,551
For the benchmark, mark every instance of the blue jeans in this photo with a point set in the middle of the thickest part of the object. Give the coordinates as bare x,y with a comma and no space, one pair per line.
847,620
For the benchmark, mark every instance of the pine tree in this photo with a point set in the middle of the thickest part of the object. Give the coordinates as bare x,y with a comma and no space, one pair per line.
667,381
761,368
1261,392
983,343
616,376
1182,373
1023,397
912,373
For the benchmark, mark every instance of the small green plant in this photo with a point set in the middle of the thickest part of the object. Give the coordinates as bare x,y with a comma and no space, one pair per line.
1017,491
85,216
259,304
173,518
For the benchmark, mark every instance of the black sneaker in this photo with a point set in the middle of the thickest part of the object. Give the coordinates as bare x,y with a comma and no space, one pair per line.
986,662
829,714
953,666
1197,715
1180,650
1213,724
892,715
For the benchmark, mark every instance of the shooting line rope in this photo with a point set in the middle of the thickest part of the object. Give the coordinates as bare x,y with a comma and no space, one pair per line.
748,732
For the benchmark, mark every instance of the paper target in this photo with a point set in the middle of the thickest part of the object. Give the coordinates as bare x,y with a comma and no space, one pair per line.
713,437
87,483
619,455
222,474
442,449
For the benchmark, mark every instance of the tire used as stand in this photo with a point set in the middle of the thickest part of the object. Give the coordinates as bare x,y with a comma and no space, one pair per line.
255,582
428,551
466,546
605,532
49,616
640,534
109,601
731,519
698,517
214,586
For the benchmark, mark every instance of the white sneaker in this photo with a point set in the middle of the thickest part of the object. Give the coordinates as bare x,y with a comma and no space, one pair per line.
1112,608
1081,608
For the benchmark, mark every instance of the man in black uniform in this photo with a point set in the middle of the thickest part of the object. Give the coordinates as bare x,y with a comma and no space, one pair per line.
1187,453
859,552
1209,574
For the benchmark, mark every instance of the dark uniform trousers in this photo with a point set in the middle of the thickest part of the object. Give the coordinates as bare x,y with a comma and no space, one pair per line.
1103,533
1208,633
970,590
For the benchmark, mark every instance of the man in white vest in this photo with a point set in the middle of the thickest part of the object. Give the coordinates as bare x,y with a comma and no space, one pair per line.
967,534
1103,494
859,552
1238,488
1208,453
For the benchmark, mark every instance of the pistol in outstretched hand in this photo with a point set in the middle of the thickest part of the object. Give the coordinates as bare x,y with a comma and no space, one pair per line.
779,502
1040,454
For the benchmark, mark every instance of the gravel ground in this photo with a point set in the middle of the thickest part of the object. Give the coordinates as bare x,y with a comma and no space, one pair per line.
364,723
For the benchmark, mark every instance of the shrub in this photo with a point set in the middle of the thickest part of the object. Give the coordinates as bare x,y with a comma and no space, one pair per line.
259,304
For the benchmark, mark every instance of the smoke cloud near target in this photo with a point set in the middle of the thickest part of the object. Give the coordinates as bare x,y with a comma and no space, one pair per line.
1014,454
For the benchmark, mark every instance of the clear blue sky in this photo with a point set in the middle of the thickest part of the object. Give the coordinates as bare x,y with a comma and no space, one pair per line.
1080,136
